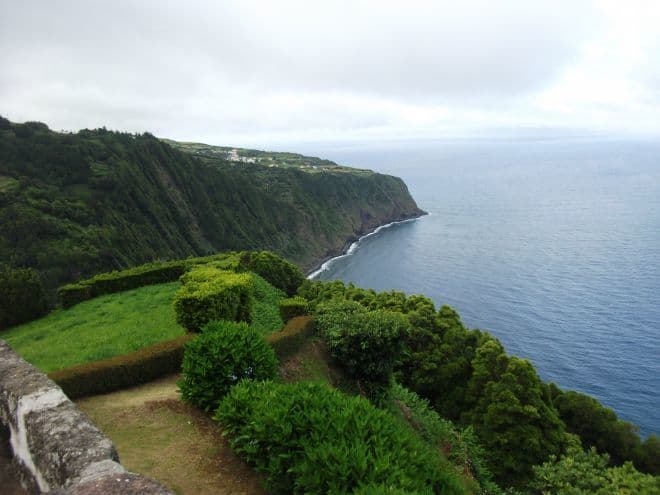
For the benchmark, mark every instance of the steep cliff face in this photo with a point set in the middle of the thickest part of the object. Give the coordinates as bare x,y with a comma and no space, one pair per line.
75,204
318,214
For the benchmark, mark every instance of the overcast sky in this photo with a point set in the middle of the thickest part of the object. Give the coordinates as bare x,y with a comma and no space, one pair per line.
266,72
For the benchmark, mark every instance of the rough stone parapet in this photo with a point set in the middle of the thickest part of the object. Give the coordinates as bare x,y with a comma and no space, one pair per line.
55,446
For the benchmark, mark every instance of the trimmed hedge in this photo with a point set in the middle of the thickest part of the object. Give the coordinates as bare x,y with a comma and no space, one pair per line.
222,356
107,283
292,307
277,271
210,294
150,363
294,334
157,272
123,371
22,296
310,438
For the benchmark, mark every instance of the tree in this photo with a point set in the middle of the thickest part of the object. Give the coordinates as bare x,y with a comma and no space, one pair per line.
22,296
516,425
598,426
580,472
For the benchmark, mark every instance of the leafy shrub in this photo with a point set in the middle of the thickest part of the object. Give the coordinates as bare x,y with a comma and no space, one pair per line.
210,294
22,296
366,343
123,371
224,354
292,307
277,271
309,438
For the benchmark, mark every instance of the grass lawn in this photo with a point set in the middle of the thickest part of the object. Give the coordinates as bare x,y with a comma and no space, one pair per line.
115,324
99,328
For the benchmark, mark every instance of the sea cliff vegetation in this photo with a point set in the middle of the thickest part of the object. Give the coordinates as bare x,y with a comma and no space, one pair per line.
321,387
400,397
75,204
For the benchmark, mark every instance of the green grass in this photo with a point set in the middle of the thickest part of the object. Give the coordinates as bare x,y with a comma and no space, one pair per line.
107,326
119,323
266,313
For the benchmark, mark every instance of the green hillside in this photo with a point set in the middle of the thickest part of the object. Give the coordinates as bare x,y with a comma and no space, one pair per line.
74,204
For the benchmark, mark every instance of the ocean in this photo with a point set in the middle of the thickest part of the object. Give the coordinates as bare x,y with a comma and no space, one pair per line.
552,245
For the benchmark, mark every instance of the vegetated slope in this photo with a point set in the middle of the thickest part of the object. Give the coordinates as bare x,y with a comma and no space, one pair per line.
76,204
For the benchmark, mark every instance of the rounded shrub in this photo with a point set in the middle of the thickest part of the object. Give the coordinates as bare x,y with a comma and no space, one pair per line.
223,355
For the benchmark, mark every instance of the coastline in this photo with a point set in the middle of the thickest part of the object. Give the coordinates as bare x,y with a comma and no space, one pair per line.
351,245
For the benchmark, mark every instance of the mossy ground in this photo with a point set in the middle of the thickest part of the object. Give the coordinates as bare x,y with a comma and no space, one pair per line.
158,435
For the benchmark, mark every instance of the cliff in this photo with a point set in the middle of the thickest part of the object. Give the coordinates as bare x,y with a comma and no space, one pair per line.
75,204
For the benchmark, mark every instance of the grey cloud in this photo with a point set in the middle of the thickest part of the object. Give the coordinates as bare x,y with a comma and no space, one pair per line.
219,67
404,49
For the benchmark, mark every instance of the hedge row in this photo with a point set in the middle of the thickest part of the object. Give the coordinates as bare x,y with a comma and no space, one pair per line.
139,276
209,294
277,271
122,371
292,307
294,334
161,359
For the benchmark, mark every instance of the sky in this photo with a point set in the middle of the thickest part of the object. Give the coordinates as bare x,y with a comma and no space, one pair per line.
270,72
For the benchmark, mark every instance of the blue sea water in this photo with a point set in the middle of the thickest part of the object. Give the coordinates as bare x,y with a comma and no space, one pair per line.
551,245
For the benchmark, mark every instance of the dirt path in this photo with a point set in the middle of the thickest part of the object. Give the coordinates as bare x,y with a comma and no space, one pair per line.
159,436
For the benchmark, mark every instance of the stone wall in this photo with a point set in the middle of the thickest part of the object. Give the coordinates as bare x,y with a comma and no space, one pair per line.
56,448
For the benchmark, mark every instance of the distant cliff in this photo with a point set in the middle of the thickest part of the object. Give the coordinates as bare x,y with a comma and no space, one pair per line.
75,204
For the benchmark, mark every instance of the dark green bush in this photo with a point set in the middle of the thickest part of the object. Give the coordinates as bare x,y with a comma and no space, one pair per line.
22,296
277,271
157,272
223,355
366,343
292,307
210,294
107,283
309,438
123,371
